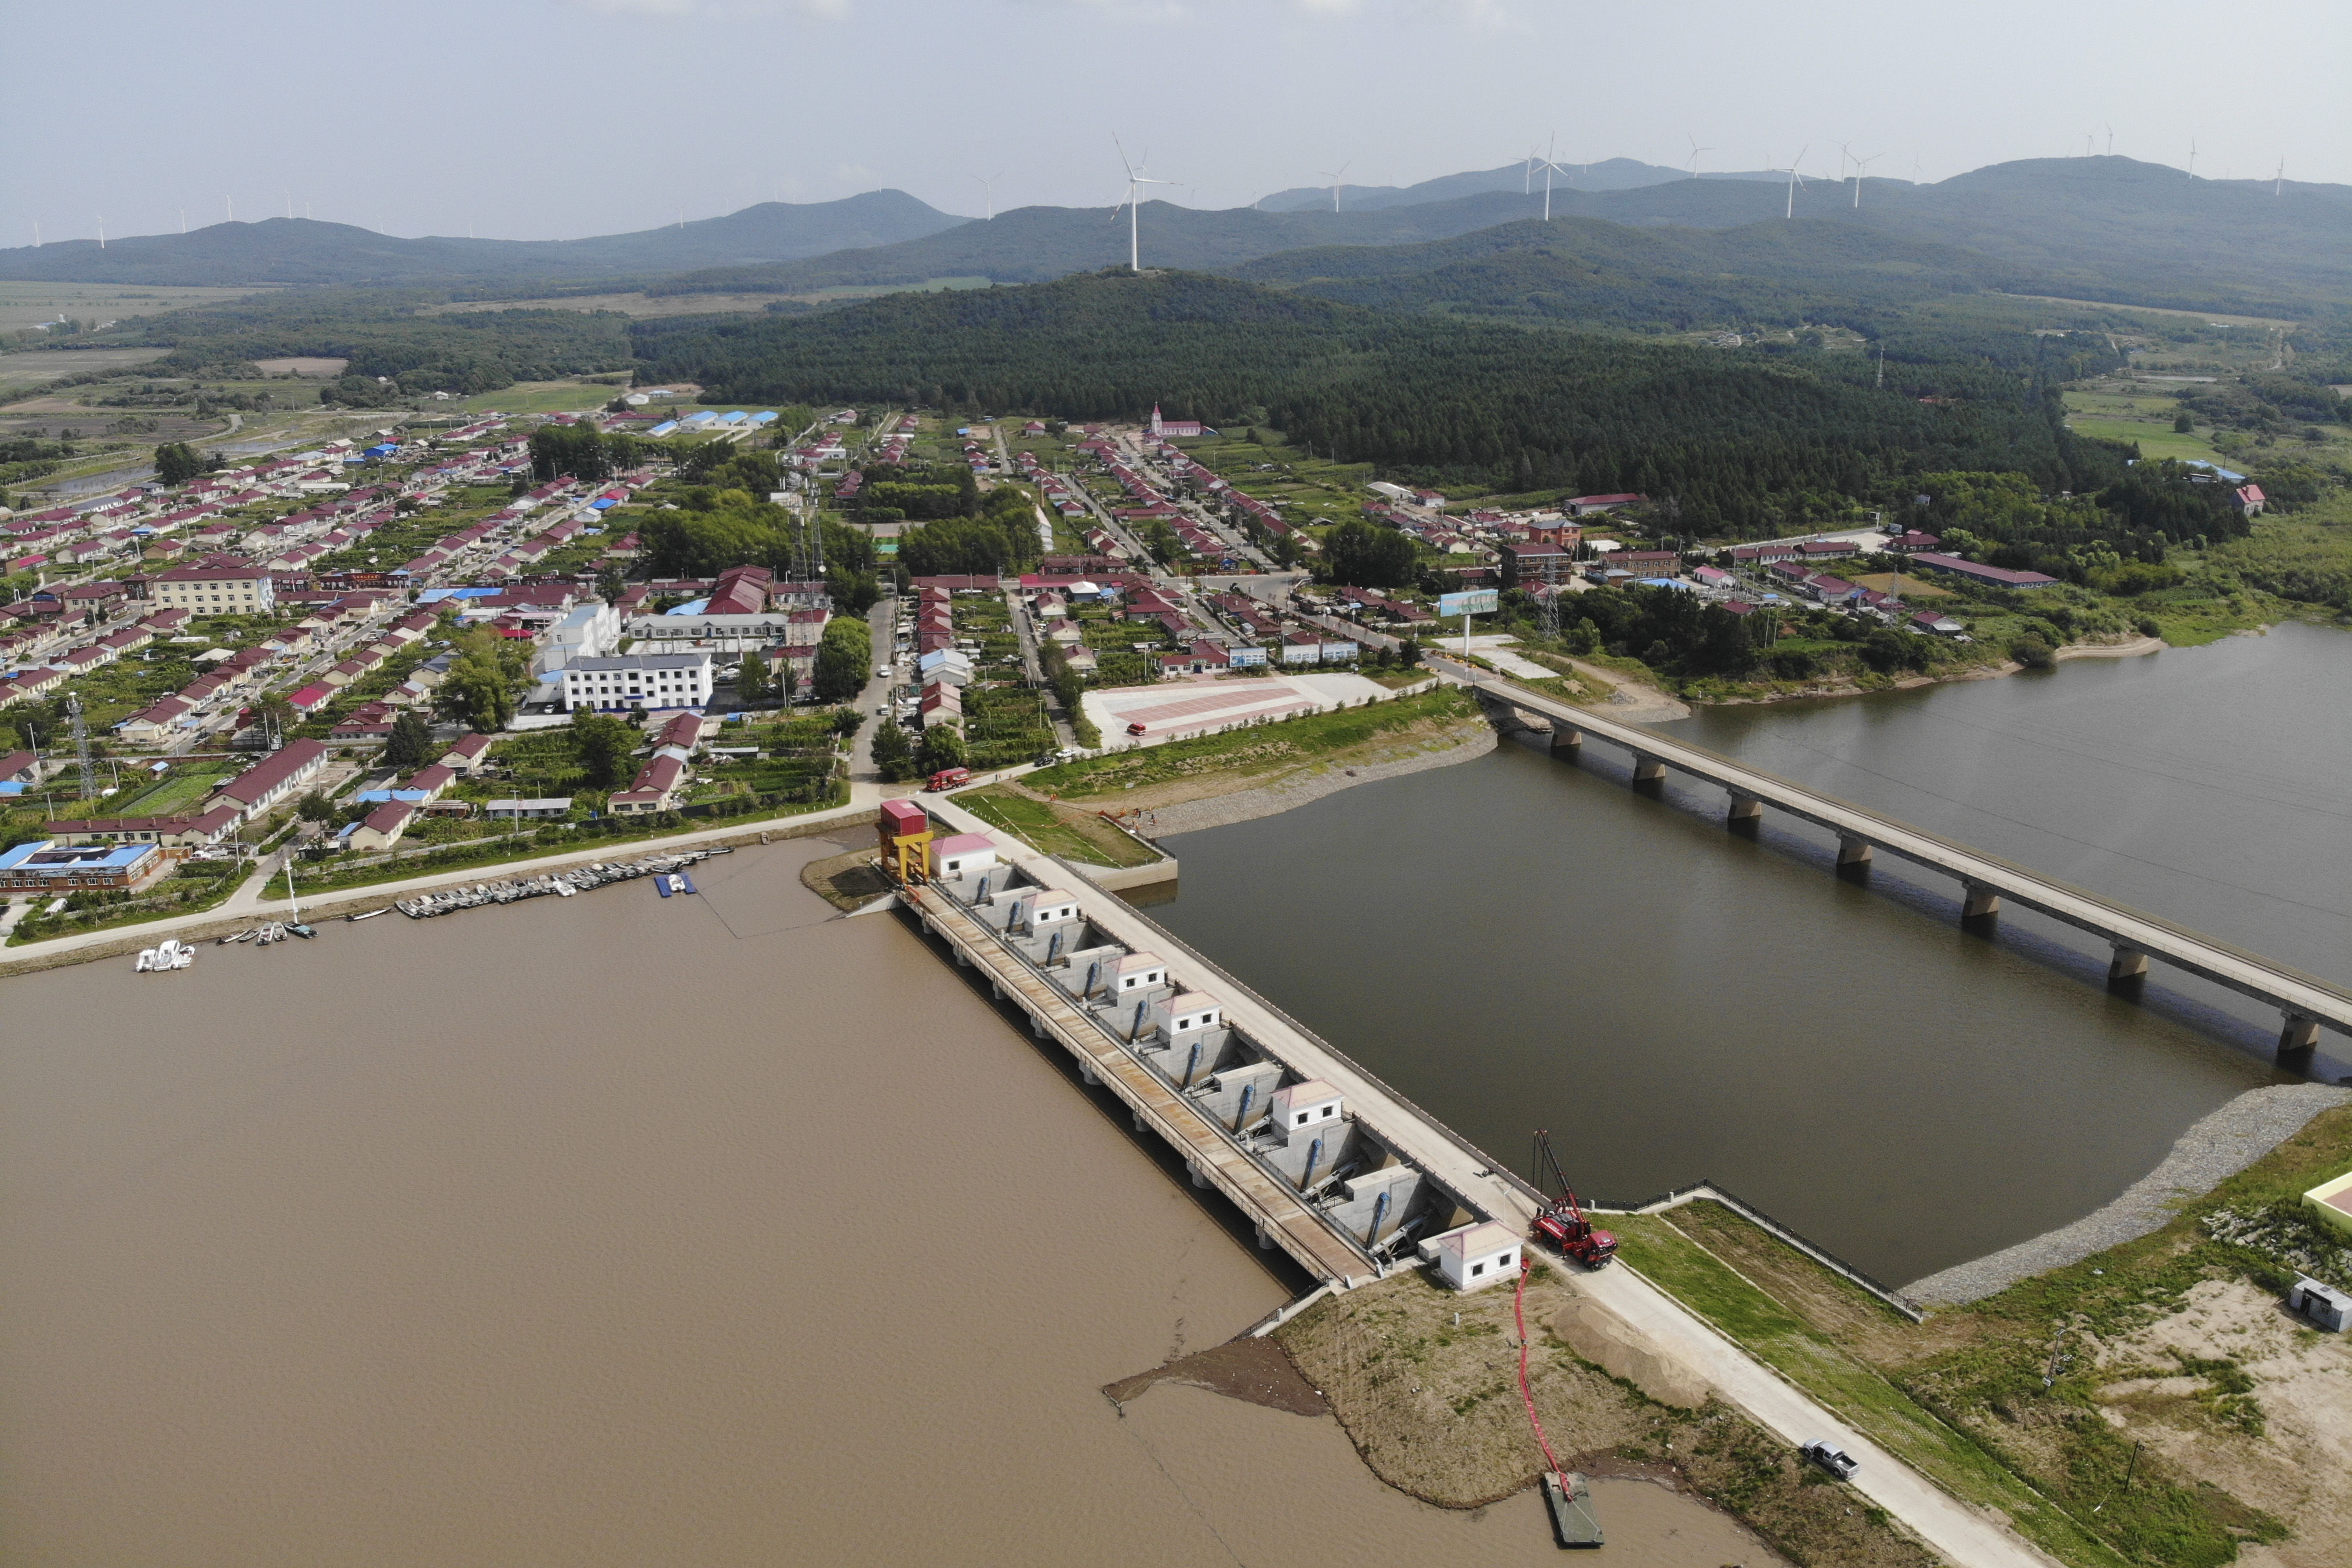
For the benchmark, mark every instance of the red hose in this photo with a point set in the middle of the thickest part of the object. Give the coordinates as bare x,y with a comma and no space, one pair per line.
1519,1317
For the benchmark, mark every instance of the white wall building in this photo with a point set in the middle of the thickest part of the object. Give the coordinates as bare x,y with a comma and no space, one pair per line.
633,680
1472,1257
591,630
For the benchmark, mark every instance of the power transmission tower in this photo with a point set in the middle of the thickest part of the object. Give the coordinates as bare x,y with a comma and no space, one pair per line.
1548,608
81,748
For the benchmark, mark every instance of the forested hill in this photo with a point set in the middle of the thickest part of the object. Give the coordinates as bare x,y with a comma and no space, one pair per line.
2095,228
1520,178
1732,438
299,250
1032,244
1591,272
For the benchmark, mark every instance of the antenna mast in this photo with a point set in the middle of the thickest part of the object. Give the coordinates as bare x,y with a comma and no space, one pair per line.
81,748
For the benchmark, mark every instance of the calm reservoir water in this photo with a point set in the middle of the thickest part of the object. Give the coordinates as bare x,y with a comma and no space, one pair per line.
1517,943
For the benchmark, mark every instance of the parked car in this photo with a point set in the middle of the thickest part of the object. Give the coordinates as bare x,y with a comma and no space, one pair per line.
1831,1457
1136,729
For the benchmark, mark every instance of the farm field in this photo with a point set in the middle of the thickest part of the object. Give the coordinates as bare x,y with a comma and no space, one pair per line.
24,304
628,304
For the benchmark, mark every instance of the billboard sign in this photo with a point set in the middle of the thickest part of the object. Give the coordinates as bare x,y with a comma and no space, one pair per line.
1470,602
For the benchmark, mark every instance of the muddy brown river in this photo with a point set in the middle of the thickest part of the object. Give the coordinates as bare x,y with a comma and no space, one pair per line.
633,1232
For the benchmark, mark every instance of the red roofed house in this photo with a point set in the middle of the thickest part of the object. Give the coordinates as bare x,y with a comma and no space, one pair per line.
272,779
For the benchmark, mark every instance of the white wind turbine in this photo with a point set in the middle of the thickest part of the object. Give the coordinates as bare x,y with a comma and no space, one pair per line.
2278,180
1527,175
1795,179
988,190
1861,167
2193,157
1333,175
1549,169
1135,180
101,230
1695,150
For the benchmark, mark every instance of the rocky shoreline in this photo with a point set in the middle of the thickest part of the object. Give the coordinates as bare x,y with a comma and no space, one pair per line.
2217,1147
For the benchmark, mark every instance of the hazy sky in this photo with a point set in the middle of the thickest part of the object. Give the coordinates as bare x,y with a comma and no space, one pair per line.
536,119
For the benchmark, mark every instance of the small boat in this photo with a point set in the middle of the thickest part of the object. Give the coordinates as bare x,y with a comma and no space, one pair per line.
565,890
369,914
146,961
247,934
298,928
684,883
661,884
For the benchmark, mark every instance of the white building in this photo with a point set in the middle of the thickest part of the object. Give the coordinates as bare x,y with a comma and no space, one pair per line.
591,630
1472,1257
633,680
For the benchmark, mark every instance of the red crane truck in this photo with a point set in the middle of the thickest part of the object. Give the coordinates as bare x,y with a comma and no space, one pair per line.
1562,1222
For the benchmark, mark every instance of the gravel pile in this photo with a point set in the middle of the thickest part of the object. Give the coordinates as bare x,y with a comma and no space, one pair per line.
1218,811
2217,1147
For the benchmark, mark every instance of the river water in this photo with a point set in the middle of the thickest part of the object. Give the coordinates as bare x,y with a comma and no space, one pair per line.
1517,943
622,1231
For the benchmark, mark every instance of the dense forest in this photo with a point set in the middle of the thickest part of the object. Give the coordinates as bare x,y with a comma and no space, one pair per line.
1727,436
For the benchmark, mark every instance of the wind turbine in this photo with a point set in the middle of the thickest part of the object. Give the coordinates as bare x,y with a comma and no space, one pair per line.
1795,179
232,207
1333,175
1527,175
101,226
1695,150
2193,157
1135,179
183,220
36,234
2278,180
1861,167
1549,169
988,190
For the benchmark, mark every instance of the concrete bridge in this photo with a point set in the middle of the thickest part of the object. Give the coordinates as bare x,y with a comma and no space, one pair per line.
2305,1002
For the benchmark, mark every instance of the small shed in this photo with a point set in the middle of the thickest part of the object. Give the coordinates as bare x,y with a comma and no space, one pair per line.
1138,971
2321,1306
1472,1256
1309,1104
1051,906
963,854
1193,1010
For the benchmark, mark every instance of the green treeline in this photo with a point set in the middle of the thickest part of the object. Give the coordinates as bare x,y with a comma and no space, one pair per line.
380,332
1723,434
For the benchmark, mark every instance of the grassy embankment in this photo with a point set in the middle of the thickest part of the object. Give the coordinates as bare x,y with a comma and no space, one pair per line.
1055,829
1258,754
1426,1383
2142,1450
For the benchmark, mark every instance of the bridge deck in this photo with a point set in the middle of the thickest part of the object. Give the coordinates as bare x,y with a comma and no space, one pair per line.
2249,973
1286,1221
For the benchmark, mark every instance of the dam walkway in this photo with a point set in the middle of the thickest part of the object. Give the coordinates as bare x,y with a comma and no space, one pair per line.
2305,1002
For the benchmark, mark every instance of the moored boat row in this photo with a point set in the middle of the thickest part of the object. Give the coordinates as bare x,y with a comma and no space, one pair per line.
562,885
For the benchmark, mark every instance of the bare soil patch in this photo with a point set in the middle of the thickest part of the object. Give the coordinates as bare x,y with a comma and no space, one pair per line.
1257,1371
303,365
845,881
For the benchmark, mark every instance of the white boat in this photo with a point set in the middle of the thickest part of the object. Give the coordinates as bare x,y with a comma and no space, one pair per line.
172,953
146,961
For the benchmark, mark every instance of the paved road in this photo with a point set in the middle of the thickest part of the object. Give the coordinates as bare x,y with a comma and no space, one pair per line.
863,799
1963,1533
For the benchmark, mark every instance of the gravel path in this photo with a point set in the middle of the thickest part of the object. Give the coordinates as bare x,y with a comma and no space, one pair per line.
1217,811
2217,1147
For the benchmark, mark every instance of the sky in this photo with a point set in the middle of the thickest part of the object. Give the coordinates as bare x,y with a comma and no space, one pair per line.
554,118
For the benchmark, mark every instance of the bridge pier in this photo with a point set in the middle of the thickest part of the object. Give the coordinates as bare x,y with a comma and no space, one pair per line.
1087,1074
2298,1033
1853,853
1265,1236
1648,769
1566,739
1979,902
1199,1177
2128,968
1037,1026
1747,813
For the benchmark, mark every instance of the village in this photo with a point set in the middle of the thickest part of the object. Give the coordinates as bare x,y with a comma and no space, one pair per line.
320,605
